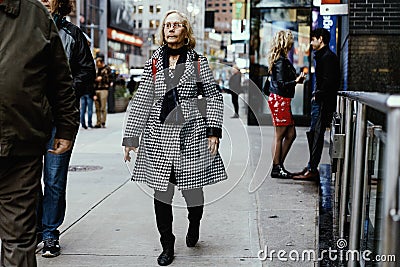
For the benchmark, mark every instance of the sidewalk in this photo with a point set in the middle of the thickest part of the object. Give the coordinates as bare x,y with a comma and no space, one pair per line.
110,220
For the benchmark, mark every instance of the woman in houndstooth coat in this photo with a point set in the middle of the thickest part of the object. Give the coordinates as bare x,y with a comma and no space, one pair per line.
175,143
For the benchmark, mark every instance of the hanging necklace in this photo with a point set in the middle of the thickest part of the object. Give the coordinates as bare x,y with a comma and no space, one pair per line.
172,61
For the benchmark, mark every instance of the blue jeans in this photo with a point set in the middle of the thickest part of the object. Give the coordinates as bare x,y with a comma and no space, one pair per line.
315,135
86,101
55,172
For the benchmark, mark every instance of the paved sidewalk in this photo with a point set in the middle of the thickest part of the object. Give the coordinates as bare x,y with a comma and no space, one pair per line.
110,220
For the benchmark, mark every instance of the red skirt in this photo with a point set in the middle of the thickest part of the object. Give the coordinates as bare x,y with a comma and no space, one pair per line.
281,111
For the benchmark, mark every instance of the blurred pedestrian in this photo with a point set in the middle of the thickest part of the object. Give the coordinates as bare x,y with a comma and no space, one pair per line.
102,85
179,147
323,102
36,94
55,167
235,88
282,89
131,85
87,98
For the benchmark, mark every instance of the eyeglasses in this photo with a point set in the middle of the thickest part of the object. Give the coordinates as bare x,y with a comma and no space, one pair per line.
173,25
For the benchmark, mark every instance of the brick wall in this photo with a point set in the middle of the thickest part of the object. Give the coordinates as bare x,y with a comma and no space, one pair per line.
373,62
374,17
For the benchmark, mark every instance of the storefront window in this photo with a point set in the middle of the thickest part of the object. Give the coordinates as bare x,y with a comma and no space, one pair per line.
265,22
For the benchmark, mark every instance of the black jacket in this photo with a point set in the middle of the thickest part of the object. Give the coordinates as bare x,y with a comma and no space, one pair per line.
283,78
327,73
35,81
80,58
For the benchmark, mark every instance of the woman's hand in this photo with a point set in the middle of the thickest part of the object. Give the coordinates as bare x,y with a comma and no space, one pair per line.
213,144
127,157
301,77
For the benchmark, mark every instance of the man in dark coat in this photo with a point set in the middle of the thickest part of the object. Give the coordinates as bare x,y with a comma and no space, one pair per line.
35,94
55,168
323,102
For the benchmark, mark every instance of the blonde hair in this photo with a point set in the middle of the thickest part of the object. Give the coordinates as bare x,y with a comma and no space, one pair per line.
281,44
189,30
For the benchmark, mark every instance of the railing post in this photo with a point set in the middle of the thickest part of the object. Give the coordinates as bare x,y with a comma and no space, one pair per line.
391,210
356,207
346,167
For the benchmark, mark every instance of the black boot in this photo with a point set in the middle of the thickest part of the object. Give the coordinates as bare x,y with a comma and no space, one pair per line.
192,235
167,255
278,171
194,216
164,220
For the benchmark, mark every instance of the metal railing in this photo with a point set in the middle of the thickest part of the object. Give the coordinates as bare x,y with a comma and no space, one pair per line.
367,177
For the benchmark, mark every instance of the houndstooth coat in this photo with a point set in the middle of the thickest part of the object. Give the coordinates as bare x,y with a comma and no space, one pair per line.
183,147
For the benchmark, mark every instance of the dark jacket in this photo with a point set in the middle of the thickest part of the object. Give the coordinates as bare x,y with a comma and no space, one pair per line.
80,58
105,73
327,73
35,81
283,78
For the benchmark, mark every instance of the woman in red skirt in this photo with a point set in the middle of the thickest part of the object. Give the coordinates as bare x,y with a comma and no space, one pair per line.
282,88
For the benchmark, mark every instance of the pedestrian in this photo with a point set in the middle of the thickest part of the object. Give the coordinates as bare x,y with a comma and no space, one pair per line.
102,85
131,85
323,102
87,104
55,167
178,147
35,93
235,88
282,89
87,98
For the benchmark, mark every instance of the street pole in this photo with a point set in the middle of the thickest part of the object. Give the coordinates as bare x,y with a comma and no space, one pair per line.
78,13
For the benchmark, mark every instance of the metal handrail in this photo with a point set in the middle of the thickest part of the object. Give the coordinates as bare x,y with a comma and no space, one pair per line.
378,101
390,105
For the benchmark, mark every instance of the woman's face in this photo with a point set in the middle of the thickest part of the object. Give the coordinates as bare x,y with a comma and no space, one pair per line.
174,31
47,4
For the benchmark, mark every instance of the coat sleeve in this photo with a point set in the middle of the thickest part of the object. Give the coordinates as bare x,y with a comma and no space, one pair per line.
215,104
59,90
139,109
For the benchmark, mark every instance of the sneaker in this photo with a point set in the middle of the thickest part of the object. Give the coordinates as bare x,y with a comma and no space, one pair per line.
51,248
279,171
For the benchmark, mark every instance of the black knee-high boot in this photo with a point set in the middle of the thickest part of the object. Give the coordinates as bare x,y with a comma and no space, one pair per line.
195,204
194,216
164,220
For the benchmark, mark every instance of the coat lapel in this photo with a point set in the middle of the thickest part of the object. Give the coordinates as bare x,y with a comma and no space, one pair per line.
188,74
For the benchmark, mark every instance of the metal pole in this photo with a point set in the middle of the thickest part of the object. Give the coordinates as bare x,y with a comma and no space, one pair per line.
389,244
92,37
78,13
346,166
339,169
354,235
